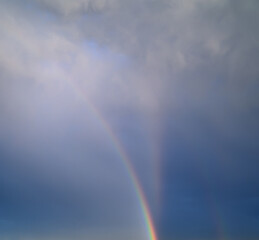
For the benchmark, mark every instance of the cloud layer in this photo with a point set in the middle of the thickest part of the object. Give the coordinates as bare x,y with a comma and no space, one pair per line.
176,80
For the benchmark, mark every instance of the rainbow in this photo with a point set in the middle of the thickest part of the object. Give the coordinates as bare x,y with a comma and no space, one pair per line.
128,165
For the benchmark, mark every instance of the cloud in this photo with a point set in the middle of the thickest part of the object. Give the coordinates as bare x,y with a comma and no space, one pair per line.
177,81
68,8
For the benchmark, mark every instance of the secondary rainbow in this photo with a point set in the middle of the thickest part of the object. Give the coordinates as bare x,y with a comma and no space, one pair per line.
132,174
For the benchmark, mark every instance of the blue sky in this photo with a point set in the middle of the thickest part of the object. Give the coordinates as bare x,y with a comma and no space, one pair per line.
176,81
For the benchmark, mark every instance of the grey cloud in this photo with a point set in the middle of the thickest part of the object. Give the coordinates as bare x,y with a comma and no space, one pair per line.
177,75
68,8
173,39
172,42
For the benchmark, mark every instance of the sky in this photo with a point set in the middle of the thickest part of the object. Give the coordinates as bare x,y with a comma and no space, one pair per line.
115,110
